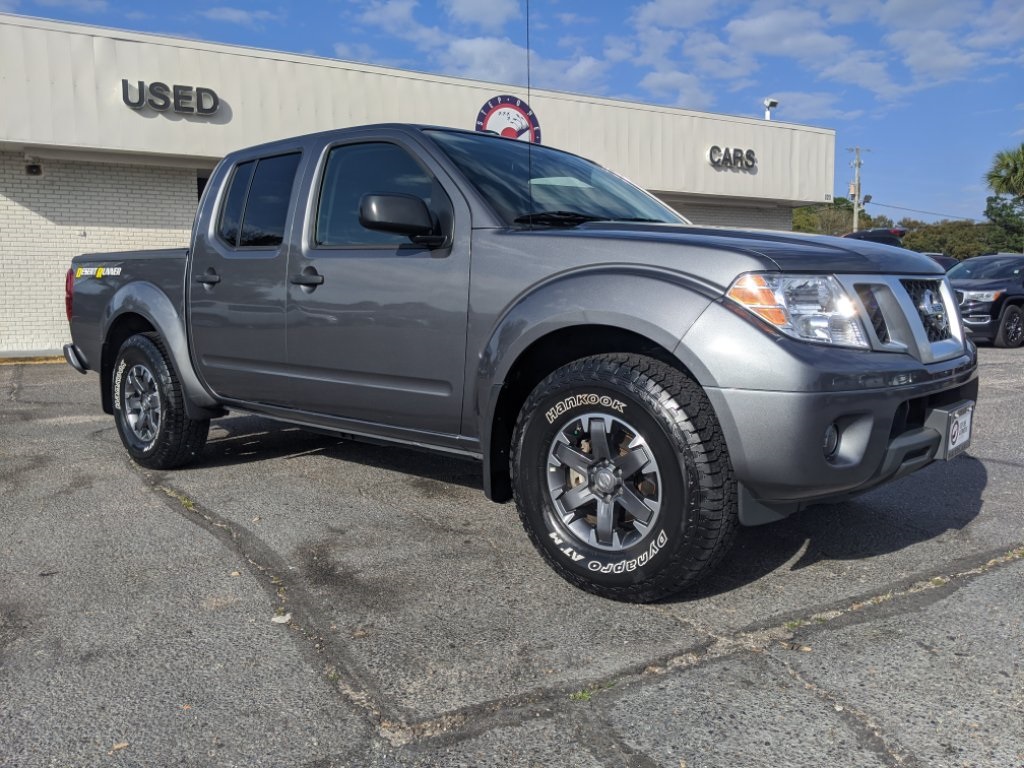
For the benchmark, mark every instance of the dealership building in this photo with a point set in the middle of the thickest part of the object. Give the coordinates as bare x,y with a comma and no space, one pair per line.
107,137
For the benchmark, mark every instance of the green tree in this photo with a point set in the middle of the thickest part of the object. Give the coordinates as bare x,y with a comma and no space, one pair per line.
961,239
834,218
1007,213
1006,176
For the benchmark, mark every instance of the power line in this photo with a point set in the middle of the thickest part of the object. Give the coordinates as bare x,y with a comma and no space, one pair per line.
915,210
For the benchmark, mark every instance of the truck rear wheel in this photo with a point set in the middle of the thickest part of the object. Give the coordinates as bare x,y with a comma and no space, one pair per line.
149,407
622,477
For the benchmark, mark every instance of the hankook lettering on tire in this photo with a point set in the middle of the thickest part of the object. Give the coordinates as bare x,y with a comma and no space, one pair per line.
577,401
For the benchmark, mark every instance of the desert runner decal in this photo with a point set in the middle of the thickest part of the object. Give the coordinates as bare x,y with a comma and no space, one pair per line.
97,272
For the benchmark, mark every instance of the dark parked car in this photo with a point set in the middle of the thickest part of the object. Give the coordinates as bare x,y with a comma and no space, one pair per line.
887,235
944,261
990,291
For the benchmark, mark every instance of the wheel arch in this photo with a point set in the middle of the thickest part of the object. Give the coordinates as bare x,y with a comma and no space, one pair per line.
141,307
540,358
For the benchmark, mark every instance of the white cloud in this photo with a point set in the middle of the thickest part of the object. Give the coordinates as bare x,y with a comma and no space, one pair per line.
239,16
489,15
1002,26
866,69
797,106
928,14
713,57
674,14
501,60
797,34
618,49
682,88
355,52
654,48
571,41
932,56
85,6
846,12
585,75
397,18
486,58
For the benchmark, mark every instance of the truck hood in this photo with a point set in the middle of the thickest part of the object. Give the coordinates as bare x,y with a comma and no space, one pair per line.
784,251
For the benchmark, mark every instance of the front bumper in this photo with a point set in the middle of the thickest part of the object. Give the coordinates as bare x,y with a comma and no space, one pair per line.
776,439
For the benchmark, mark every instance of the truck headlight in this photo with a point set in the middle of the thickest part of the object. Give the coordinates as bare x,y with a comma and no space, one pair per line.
807,307
982,295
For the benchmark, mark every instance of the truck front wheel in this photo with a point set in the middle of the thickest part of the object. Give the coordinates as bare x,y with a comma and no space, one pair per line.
149,407
622,478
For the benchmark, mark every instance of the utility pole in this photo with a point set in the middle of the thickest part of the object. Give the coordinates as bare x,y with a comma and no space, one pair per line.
855,186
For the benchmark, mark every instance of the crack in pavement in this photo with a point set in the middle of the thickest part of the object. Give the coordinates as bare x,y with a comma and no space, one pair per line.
272,574
871,733
289,595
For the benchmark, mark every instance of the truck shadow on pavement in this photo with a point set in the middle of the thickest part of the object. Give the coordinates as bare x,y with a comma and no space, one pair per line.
243,439
942,497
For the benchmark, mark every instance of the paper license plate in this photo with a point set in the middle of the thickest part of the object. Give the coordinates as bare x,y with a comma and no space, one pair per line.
958,430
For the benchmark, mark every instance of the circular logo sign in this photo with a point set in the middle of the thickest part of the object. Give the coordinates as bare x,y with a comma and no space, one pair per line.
509,117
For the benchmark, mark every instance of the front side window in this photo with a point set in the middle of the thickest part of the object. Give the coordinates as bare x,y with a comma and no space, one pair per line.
256,205
354,170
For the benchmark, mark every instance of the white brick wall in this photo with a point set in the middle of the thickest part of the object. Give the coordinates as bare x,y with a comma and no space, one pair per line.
743,216
74,208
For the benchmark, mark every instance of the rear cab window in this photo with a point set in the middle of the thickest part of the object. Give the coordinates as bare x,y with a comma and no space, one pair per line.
255,208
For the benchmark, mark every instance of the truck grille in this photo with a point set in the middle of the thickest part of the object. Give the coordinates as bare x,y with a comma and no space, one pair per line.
875,314
927,298
912,315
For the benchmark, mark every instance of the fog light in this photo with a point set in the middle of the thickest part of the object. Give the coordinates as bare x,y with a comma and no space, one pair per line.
831,442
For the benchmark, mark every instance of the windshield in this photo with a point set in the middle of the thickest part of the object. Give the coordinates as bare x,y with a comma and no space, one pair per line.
988,269
530,184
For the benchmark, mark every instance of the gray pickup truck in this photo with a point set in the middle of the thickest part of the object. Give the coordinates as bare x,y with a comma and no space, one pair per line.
639,385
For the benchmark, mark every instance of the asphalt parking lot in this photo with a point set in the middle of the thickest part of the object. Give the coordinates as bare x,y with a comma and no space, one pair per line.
304,601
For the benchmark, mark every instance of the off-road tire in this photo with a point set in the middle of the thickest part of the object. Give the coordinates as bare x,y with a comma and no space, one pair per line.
689,481
1011,328
149,407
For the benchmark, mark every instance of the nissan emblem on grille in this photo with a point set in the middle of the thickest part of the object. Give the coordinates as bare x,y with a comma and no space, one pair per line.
930,308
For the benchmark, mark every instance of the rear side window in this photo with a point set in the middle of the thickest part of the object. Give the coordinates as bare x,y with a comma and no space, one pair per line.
256,205
231,213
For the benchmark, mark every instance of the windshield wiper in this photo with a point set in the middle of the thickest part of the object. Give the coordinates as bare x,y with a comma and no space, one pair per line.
557,218
573,218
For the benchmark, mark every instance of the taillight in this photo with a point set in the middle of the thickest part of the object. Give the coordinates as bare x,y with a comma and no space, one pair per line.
69,292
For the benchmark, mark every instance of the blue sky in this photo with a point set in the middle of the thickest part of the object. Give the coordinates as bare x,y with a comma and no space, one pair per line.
933,88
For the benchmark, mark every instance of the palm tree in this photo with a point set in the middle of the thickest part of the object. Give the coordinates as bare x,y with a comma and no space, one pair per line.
1006,176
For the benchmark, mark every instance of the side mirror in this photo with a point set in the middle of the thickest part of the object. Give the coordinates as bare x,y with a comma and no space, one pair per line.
400,214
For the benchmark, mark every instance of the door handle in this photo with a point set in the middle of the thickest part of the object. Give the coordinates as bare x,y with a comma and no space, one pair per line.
307,279
210,277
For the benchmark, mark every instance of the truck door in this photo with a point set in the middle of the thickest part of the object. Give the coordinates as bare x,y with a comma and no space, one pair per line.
236,282
377,324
